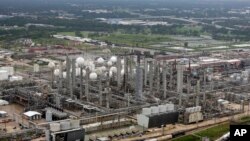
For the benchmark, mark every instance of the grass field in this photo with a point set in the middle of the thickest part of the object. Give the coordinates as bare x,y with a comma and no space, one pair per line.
212,133
139,40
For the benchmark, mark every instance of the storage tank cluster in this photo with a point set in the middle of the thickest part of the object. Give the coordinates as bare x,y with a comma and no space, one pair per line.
96,67
193,114
7,73
64,125
240,78
156,116
158,109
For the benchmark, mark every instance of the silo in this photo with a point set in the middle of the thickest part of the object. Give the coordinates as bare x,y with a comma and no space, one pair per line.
48,116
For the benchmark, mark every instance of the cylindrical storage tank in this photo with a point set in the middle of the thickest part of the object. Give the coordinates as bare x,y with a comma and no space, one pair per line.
47,135
146,111
65,125
154,110
162,108
48,116
74,124
54,127
10,70
3,75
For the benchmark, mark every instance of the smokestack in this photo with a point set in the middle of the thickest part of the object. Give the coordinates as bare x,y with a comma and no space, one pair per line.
197,93
68,76
145,71
87,84
180,82
151,77
119,67
60,77
139,82
164,79
73,74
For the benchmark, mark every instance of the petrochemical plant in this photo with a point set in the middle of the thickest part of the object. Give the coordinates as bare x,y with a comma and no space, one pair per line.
130,96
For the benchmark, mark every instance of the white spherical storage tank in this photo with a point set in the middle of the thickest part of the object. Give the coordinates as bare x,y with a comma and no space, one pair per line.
109,63
100,60
51,65
65,125
80,61
113,59
56,72
113,69
55,127
93,76
10,70
3,75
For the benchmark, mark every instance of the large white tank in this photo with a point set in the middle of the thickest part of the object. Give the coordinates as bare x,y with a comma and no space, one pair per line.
10,70
55,127
109,63
3,75
100,60
146,111
51,65
80,61
113,59
56,72
103,68
16,78
75,124
113,69
93,76
65,125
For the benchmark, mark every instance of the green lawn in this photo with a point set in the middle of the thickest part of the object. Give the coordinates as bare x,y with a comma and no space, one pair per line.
212,133
187,138
140,40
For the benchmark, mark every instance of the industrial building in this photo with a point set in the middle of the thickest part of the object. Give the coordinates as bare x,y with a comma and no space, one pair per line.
76,97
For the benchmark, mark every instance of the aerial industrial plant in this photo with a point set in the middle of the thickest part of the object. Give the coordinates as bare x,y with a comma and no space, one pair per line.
123,70
89,97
